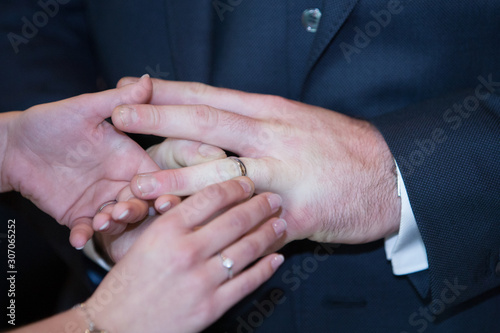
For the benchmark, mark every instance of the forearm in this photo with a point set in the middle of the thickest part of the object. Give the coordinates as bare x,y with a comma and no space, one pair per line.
68,321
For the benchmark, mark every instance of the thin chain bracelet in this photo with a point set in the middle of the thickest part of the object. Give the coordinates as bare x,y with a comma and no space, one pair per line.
92,328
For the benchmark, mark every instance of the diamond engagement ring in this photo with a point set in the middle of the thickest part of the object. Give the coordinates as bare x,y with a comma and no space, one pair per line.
227,263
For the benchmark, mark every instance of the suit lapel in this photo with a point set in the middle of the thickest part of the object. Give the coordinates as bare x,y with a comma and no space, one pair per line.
190,32
334,14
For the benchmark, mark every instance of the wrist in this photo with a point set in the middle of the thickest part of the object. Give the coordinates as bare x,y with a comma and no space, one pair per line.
89,315
386,178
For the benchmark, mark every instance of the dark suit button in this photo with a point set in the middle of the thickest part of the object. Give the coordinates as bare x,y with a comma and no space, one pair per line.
311,18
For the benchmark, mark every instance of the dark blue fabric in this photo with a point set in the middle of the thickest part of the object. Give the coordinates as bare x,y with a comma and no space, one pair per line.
404,73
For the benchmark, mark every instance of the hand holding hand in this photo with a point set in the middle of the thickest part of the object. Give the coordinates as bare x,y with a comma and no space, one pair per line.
65,158
335,174
120,224
173,278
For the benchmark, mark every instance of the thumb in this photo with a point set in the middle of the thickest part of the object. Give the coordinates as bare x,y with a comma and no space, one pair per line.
81,232
102,103
126,80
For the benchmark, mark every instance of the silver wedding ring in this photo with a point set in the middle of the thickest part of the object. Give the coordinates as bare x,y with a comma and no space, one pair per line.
110,202
228,264
241,166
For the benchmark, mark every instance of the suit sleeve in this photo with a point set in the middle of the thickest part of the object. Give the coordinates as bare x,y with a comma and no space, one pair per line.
448,151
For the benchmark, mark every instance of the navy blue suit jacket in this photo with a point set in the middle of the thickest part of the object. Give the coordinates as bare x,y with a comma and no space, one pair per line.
426,73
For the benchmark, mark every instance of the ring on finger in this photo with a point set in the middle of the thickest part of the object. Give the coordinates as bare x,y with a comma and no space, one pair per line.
107,203
241,165
227,263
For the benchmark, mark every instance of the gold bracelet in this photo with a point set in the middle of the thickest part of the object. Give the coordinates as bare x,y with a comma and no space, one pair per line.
92,328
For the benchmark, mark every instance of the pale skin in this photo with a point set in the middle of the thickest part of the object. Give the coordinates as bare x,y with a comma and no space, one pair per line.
336,174
41,156
180,248
65,158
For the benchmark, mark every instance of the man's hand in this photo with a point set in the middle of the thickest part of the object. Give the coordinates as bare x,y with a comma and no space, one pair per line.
335,174
65,158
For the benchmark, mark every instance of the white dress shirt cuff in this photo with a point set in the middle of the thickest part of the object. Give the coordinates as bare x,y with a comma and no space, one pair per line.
406,249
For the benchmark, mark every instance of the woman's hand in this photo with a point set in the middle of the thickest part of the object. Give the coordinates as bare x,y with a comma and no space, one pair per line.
120,224
68,160
173,279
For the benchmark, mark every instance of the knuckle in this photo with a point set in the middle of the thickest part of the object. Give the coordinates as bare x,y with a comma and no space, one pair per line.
277,104
187,258
122,82
155,117
205,117
226,170
196,89
174,180
215,192
239,219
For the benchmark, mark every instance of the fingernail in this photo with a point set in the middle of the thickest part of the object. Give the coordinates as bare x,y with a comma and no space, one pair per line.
274,201
104,226
80,247
147,184
128,115
165,206
145,75
279,227
209,151
277,261
246,187
124,214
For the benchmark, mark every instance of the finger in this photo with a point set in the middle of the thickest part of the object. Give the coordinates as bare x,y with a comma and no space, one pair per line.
183,181
266,173
196,209
127,80
113,218
102,104
175,92
175,153
114,227
237,221
102,221
203,123
246,282
250,247
81,231
166,202
130,211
